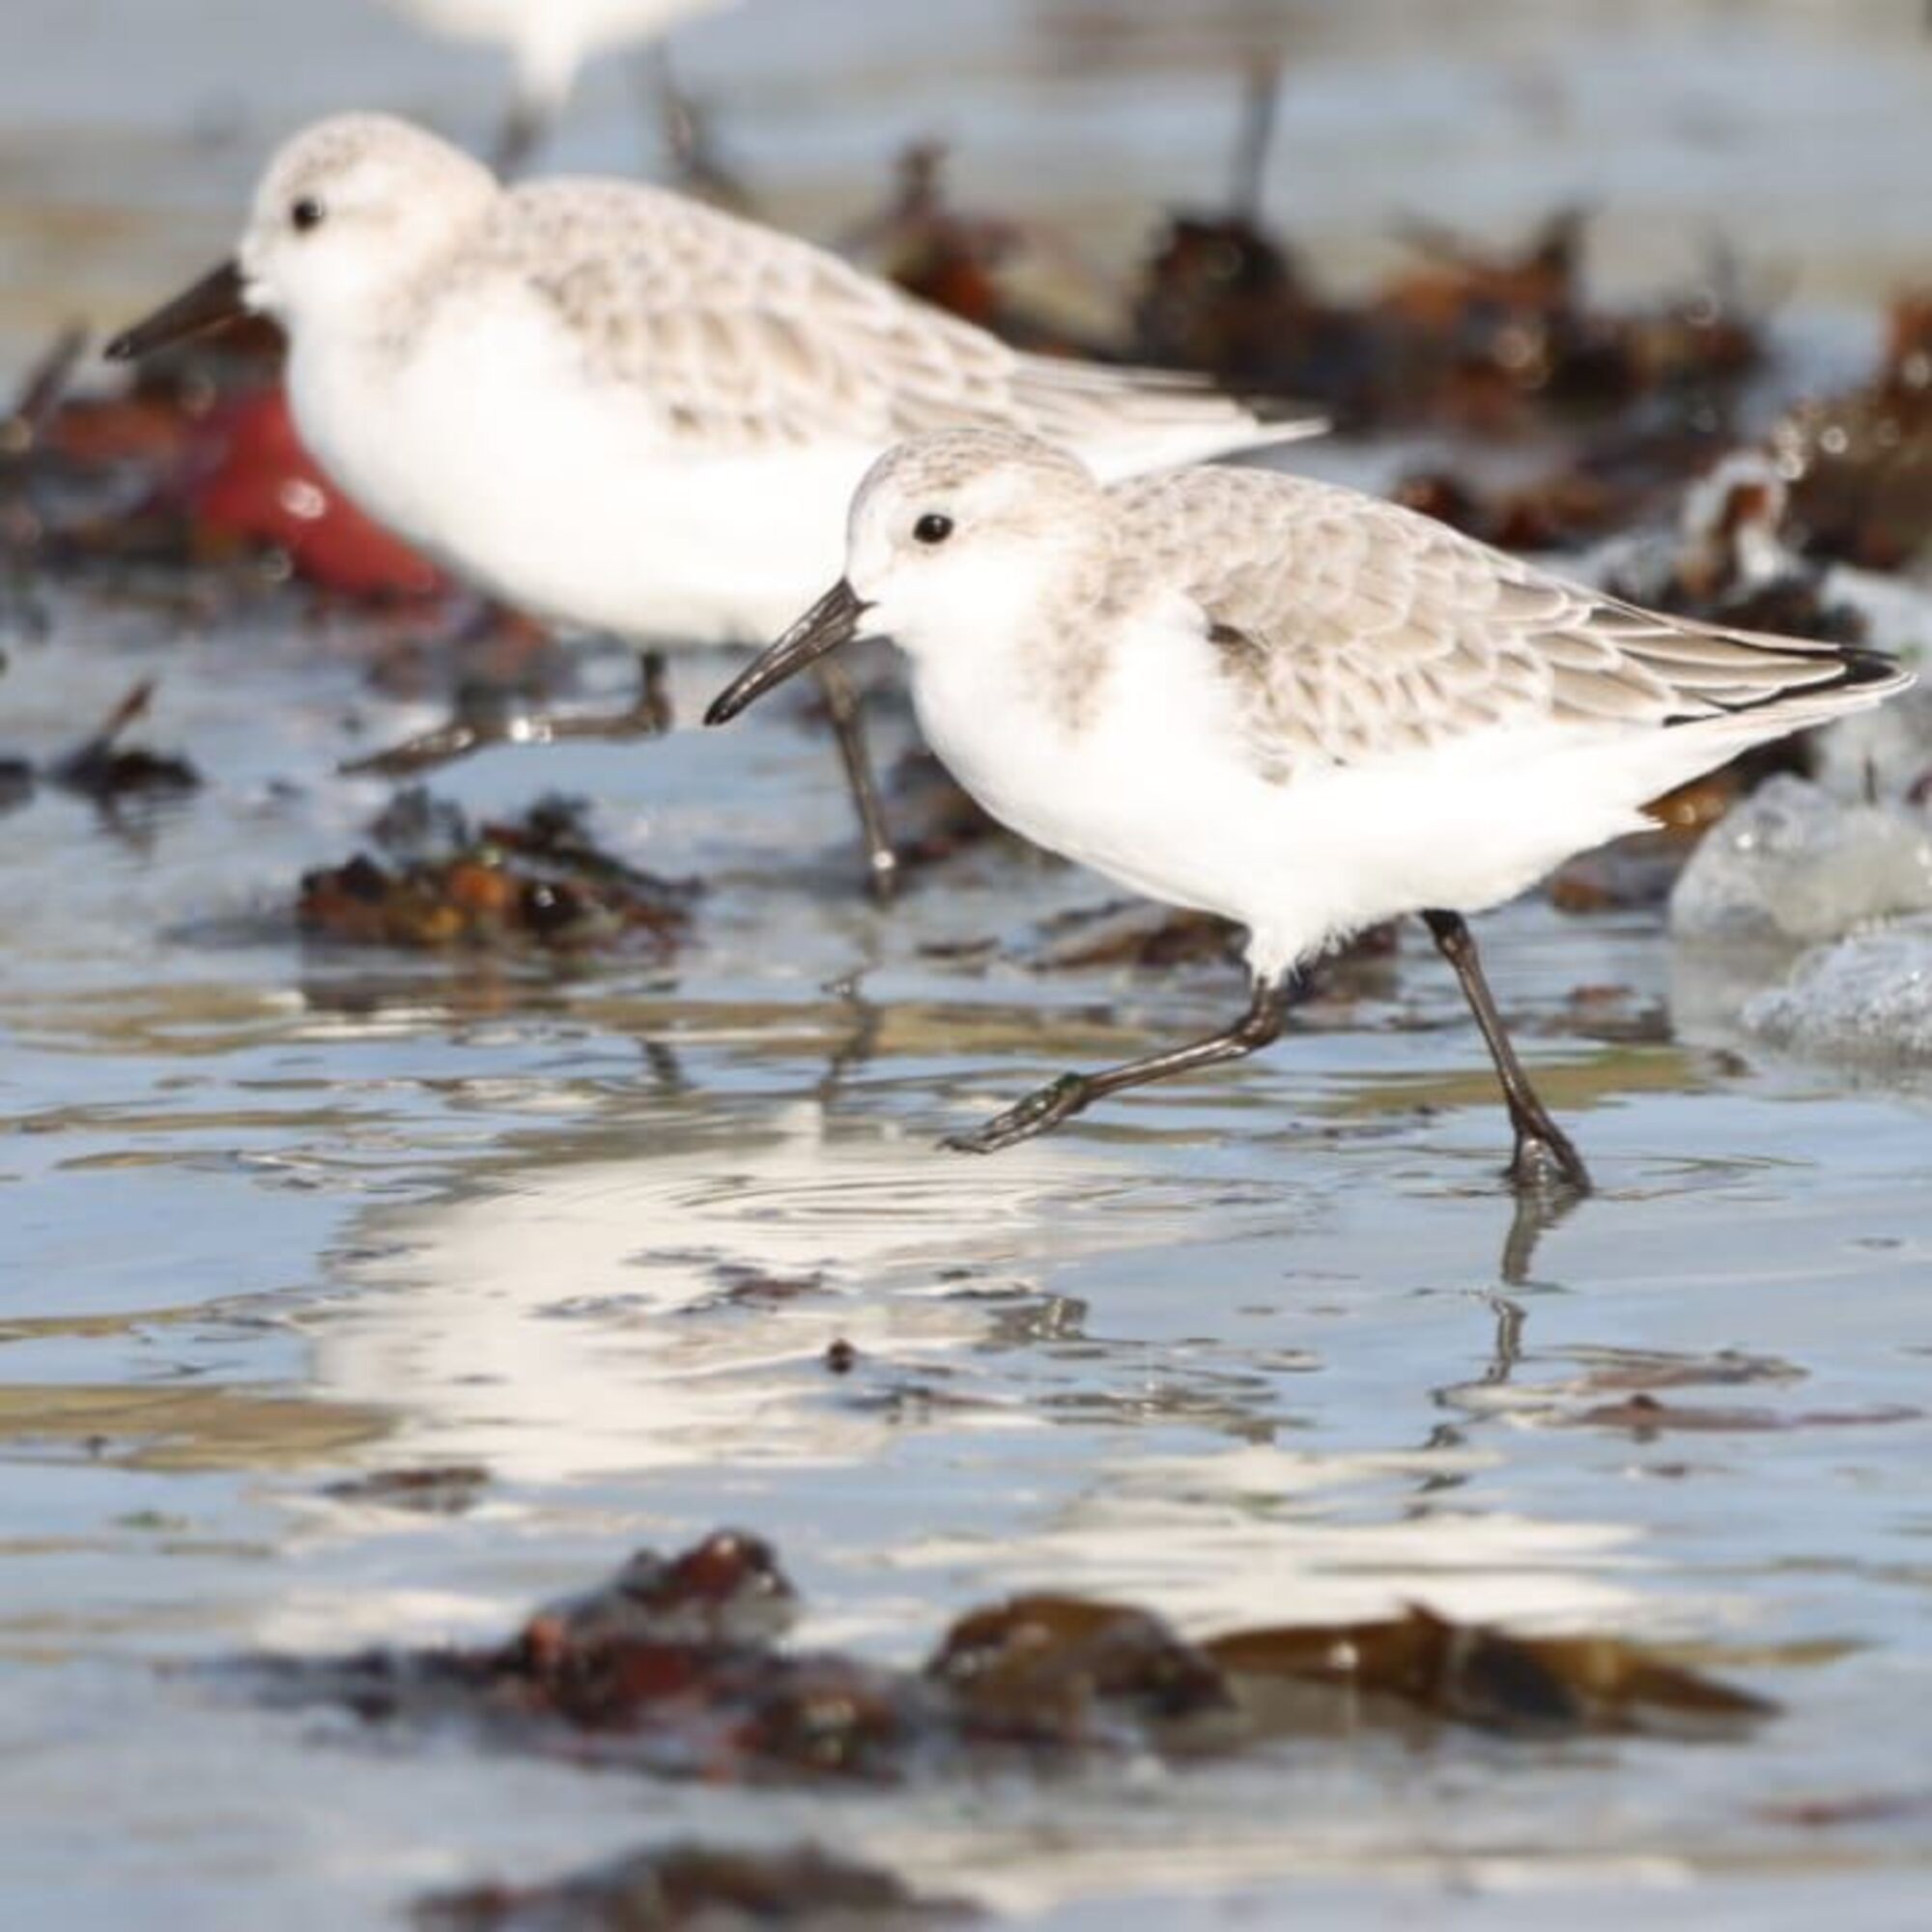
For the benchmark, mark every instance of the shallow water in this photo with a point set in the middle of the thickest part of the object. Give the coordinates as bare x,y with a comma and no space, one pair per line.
1269,1344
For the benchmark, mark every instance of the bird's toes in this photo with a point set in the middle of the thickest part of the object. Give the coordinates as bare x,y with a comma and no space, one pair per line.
1547,1164
1035,1114
442,747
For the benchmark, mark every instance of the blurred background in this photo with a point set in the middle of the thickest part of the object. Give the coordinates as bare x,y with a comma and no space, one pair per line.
1790,132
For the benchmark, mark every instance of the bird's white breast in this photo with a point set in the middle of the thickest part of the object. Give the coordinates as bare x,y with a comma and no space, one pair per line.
1157,786
485,438
1139,776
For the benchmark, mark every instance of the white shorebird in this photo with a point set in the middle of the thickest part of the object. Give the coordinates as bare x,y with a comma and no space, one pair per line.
1284,702
549,40
618,409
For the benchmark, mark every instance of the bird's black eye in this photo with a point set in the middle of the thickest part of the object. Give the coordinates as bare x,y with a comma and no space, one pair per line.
933,527
306,213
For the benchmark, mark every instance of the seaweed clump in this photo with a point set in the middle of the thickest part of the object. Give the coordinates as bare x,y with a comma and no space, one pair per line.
536,883
677,1666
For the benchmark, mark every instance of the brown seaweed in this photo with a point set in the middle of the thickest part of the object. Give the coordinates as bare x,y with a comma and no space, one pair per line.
430,1489
538,882
676,1667
1487,343
961,260
103,769
1859,466
690,1887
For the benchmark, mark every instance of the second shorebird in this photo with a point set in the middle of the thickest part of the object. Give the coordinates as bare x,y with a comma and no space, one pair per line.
616,408
1292,705
548,40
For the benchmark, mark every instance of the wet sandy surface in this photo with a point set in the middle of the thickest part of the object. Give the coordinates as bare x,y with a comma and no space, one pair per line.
1270,1345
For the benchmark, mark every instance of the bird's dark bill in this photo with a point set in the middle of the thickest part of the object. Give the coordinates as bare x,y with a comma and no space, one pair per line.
212,302
832,621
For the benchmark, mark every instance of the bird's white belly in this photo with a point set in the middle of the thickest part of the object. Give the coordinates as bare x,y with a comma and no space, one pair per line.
489,451
1157,792
1134,790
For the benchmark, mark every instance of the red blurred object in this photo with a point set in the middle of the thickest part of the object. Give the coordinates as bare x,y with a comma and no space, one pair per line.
265,487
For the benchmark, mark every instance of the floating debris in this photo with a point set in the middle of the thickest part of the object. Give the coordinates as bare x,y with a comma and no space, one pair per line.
759,1289
540,881
1859,466
961,262
1641,1392
1862,1807
435,1489
1467,1674
674,1667
1647,1416
101,768
728,1589
1071,1671
697,1888
1486,344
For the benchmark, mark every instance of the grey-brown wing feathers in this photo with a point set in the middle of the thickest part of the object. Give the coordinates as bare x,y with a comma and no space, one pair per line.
740,337
1354,629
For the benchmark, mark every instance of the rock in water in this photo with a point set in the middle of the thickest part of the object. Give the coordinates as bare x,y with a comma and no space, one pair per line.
1865,998
1795,863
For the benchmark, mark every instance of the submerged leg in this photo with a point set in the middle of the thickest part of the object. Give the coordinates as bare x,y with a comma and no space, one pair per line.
849,729
678,125
1544,1153
488,715
686,130
524,129
1068,1096
465,730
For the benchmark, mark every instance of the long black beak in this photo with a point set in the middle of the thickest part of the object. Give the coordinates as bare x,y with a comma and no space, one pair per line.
212,302
832,621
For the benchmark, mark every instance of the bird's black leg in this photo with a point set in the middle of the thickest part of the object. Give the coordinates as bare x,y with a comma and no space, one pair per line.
652,708
524,129
1545,1156
487,715
849,729
1072,1093
678,122
688,142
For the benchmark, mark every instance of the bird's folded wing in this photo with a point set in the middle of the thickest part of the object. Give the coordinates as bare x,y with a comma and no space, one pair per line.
1353,628
743,338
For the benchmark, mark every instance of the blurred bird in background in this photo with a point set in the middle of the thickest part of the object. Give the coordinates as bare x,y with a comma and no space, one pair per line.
548,41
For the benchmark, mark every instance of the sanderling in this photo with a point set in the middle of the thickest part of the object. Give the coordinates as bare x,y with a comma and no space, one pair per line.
1286,703
618,409
549,40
